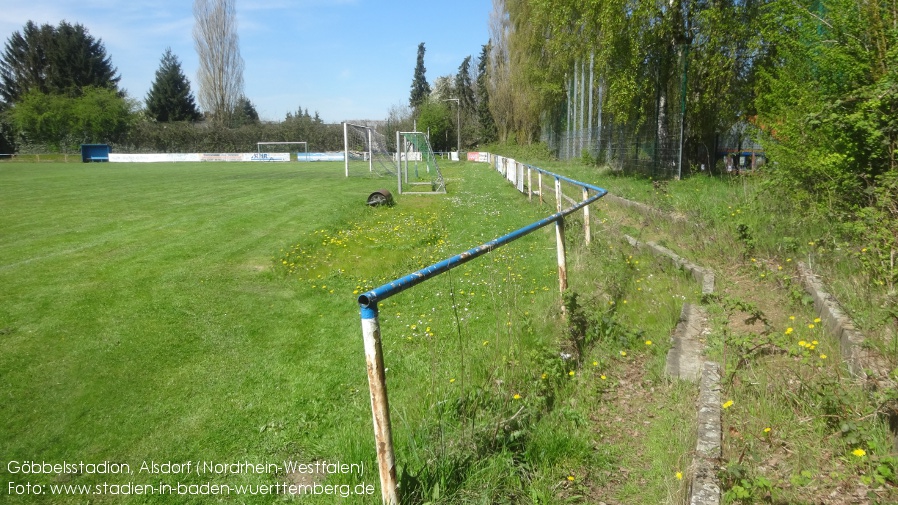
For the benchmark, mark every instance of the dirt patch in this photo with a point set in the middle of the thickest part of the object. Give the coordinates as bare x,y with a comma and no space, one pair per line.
305,480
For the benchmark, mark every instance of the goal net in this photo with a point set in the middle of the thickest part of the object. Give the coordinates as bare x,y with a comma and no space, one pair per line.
365,152
302,148
418,169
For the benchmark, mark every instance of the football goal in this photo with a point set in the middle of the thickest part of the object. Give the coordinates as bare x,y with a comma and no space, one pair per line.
416,165
299,155
365,151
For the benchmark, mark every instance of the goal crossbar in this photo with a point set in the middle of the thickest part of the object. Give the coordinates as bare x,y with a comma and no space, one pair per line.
305,144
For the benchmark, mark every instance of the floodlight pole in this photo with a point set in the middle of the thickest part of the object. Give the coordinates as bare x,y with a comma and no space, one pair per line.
457,123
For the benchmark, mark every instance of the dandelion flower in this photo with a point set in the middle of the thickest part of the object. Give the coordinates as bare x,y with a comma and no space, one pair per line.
728,404
570,478
603,377
766,430
816,319
811,326
572,373
623,353
486,342
791,318
595,363
451,381
516,396
789,330
679,475
859,452
802,343
823,356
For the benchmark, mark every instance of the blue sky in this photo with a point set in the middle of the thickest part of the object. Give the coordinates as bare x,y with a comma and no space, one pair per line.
347,59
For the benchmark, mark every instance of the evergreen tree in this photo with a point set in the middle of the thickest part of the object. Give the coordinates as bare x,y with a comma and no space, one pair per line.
464,87
245,112
63,59
488,132
170,98
420,88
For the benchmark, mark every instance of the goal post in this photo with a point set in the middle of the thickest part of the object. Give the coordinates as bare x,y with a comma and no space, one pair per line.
414,147
365,151
360,144
304,144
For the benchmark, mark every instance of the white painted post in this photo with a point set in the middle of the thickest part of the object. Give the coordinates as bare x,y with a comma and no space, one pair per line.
380,409
586,217
370,152
346,147
529,184
559,242
398,164
540,174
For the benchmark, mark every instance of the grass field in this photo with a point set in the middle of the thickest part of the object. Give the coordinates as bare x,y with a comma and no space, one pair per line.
141,319
173,313
206,312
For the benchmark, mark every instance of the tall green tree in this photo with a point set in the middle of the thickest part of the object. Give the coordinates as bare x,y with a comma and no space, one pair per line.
464,85
245,113
486,126
436,118
464,91
170,98
63,59
420,87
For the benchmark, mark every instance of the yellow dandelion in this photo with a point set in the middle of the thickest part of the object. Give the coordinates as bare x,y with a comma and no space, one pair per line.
451,381
595,363
789,330
516,396
570,478
679,475
727,404
802,343
486,342
603,377
767,430
817,320
545,375
859,452
623,353
648,342
572,373
823,356
811,326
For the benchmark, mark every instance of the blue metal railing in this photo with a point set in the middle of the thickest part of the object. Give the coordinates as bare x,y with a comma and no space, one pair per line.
371,325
